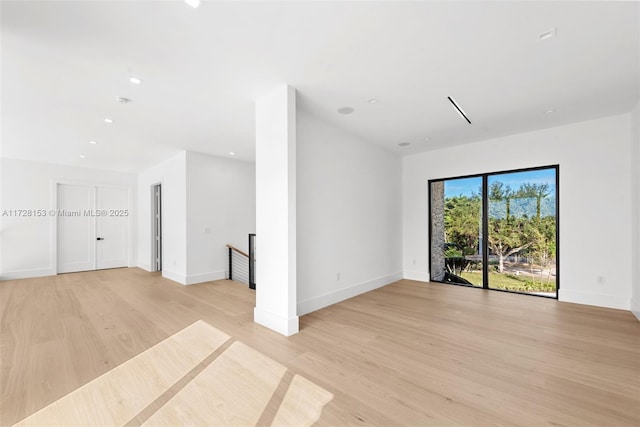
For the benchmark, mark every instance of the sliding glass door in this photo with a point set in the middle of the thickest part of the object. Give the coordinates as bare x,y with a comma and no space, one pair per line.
456,231
516,211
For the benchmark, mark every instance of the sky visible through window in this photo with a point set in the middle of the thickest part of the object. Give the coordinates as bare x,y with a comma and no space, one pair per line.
468,186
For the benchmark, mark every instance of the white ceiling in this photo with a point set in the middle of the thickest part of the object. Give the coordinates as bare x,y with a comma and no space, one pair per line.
64,62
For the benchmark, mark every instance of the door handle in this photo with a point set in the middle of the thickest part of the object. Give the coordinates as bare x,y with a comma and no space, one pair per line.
100,238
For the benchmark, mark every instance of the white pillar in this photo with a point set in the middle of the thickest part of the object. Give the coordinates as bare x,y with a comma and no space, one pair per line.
276,211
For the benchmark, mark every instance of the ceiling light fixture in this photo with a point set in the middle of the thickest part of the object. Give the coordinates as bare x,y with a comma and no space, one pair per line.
82,156
135,80
404,144
346,110
458,109
108,120
92,142
372,101
194,3
548,34
231,153
549,111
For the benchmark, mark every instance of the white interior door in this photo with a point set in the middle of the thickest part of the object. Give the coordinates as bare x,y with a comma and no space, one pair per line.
93,227
76,229
112,227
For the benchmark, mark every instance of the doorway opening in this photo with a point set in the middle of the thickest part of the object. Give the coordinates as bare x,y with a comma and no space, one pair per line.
156,227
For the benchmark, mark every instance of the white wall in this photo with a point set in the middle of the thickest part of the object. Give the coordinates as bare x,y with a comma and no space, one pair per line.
172,175
28,244
199,193
221,209
635,198
595,207
349,200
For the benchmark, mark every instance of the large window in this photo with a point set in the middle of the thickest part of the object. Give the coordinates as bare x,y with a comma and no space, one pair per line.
496,231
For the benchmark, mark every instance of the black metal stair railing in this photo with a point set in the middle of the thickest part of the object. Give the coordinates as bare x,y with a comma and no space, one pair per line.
252,261
242,265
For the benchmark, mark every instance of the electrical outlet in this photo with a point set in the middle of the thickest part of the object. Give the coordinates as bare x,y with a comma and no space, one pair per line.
207,230
414,261
601,280
337,276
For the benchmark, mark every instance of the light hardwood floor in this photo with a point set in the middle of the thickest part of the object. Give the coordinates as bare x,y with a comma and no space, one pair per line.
407,354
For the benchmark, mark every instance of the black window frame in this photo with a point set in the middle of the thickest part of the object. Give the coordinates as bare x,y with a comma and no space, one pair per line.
485,227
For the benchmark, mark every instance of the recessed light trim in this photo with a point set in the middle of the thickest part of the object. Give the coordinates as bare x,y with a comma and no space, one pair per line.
194,3
346,110
458,109
135,80
82,156
231,153
108,120
92,142
372,100
550,111
404,144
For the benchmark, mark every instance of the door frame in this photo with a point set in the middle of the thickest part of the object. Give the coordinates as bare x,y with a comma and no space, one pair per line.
485,226
54,218
152,263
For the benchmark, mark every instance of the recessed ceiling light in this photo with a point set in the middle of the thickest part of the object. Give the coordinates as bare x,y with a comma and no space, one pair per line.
82,156
549,111
194,3
122,100
92,142
108,120
135,80
427,139
548,34
372,101
404,144
346,110
231,153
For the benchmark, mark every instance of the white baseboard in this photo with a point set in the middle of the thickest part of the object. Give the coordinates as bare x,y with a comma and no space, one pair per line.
325,300
635,308
193,278
280,324
420,276
27,274
205,277
593,298
176,277
145,267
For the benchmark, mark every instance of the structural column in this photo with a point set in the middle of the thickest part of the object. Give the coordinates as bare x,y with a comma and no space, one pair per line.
276,211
